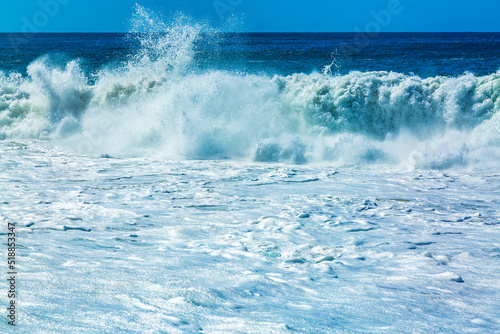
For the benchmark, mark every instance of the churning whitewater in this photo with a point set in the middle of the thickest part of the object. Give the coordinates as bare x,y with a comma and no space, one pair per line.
179,180
158,103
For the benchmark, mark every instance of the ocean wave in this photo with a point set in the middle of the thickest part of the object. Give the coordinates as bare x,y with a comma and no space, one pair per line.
157,104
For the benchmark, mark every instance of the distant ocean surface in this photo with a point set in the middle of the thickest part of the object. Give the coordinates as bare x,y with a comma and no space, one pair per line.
423,54
181,180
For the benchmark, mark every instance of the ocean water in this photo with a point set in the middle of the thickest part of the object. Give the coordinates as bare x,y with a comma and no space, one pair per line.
175,179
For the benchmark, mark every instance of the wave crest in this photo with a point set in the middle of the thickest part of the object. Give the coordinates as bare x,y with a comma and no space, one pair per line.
156,104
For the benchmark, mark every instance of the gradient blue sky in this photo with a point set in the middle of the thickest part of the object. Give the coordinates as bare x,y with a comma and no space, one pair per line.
254,15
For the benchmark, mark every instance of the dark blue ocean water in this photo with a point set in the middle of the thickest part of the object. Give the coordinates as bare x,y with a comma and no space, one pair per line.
424,54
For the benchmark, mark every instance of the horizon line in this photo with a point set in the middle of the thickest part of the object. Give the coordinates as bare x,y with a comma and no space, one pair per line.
255,32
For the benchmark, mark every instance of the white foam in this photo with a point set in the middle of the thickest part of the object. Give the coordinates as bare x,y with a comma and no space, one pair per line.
158,105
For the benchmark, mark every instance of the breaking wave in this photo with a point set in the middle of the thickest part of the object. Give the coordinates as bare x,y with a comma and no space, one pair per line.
158,104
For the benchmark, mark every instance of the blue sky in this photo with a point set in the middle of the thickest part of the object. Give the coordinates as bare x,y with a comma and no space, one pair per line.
257,15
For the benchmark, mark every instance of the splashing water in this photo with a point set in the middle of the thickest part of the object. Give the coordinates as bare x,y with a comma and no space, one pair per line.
159,104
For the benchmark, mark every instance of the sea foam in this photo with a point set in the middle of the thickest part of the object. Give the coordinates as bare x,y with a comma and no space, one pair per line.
159,104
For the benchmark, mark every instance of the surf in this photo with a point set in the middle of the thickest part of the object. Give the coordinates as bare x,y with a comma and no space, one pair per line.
159,103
